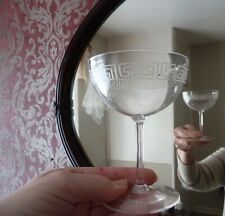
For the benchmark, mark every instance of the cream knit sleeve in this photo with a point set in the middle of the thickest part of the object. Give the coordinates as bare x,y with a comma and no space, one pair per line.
204,175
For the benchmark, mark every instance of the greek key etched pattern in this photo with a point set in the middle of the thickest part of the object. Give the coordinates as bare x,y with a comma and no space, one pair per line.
148,75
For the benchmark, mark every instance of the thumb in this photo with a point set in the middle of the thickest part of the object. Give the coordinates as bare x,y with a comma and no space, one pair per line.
89,187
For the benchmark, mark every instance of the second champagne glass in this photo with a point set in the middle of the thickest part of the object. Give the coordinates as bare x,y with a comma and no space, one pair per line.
201,101
139,83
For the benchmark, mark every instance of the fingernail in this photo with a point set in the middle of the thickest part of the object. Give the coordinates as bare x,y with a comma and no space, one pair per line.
121,183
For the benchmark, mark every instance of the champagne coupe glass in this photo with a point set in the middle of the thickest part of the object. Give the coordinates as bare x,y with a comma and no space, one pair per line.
200,101
139,83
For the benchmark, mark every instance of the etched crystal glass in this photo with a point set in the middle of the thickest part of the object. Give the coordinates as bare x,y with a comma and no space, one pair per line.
139,83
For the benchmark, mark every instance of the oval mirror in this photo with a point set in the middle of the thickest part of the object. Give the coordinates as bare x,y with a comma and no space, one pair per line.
65,85
84,123
94,135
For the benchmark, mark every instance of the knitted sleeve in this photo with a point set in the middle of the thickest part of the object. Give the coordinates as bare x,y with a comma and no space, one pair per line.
204,175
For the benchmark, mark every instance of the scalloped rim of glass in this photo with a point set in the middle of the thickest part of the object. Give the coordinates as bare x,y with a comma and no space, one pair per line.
146,50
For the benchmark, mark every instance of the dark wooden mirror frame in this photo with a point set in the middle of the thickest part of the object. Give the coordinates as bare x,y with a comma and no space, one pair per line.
63,104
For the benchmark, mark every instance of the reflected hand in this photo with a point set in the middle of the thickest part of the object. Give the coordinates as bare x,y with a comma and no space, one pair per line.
72,191
186,138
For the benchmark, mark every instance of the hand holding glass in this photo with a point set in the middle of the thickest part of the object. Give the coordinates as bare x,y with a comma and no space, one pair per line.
139,83
201,101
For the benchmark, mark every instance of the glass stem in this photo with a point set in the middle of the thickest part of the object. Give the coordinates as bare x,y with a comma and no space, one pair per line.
140,153
200,121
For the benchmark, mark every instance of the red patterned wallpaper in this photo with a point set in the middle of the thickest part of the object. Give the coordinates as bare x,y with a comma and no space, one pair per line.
33,37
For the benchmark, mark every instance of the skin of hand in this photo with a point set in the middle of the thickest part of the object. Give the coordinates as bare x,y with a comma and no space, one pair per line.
186,139
72,192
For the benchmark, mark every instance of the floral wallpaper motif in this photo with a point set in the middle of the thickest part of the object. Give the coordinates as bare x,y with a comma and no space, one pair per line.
33,38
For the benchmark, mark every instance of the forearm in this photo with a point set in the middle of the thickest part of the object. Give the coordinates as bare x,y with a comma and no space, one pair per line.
205,175
188,168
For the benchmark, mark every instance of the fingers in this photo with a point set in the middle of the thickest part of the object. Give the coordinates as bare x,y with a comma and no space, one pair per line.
112,173
190,126
187,137
187,131
90,187
115,173
85,184
80,187
185,144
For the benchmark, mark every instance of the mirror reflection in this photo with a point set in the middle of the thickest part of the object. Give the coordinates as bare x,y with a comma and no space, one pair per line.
194,28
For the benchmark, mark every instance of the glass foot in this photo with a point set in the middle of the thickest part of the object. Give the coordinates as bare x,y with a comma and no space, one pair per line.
145,200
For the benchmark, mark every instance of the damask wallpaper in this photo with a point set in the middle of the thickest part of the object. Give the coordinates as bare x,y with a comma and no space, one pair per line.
33,37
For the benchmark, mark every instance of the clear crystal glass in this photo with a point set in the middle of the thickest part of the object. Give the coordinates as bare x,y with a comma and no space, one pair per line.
201,101
139,83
